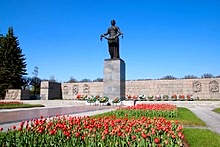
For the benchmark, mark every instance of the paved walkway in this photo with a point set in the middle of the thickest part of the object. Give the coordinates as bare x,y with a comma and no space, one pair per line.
212,119
26,114
8,118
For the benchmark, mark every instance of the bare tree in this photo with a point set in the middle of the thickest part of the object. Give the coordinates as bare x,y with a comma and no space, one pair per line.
35,82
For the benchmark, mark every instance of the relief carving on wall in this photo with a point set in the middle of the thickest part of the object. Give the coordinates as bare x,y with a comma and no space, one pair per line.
213,86
197,86
75,89
86,88
65,90
12,94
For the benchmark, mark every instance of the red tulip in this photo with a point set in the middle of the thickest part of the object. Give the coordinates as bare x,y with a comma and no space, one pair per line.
52,132
40,131
19,129
77,134
157,140
133,137
144,135
180,135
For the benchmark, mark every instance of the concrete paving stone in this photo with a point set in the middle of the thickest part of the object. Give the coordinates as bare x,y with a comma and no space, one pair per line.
211,118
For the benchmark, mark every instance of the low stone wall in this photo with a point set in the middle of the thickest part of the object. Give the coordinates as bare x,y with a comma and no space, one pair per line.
50,90
70,90
17,94
201,88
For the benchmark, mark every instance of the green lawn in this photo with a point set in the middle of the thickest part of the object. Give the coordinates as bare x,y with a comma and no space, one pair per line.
185,117
217,110
14,106
194,136
201,137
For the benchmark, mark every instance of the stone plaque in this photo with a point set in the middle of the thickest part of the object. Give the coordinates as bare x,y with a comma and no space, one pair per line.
75,89
213,86
197,86
86,88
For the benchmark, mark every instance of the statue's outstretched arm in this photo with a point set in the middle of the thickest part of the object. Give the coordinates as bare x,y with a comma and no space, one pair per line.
104,35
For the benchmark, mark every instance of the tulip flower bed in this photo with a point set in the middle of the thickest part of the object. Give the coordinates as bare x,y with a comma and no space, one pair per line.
93,132
147,110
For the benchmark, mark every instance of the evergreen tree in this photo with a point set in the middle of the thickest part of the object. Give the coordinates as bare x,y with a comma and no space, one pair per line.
12,63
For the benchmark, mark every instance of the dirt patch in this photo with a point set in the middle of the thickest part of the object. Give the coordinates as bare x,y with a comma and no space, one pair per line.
185,143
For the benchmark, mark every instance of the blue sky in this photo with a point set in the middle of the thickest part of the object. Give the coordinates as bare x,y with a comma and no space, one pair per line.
161,37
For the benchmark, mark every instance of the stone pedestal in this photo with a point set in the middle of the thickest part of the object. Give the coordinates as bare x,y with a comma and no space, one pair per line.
114,79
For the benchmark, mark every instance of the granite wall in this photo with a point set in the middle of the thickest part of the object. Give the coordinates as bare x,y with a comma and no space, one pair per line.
50,90
17,94
201,88
70,90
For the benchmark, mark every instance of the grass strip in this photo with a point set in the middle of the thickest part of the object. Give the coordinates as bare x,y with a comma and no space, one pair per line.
14,106
185,117
201,137
194,136
217,110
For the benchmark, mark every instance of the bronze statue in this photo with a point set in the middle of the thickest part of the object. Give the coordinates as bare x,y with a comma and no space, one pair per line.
113,40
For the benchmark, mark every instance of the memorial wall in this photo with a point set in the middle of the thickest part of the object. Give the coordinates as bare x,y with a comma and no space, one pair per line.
201,88
50,90
17,94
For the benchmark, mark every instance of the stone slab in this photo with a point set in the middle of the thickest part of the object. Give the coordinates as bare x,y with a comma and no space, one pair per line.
114,78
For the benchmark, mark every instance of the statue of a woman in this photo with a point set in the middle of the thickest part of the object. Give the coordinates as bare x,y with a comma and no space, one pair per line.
113,40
